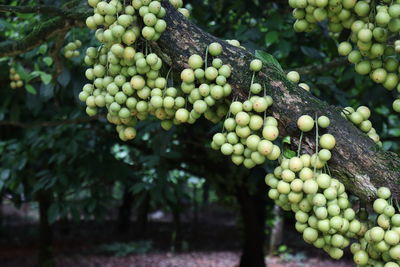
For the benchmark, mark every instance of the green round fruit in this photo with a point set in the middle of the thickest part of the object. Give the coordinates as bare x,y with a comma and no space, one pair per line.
195,61
215,49
293,76
305,123
323,122
256,65
327,141
384,192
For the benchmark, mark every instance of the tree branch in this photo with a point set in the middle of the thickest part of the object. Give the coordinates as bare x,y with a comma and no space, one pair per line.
66,19
40,9
49,123
318,68
356,160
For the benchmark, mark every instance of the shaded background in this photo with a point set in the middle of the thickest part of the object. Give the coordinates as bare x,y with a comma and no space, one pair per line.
73,194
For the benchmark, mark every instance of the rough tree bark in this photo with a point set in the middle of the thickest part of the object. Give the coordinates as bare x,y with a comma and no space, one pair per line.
356,160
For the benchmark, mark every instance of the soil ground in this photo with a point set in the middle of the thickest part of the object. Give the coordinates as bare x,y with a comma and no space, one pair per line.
208,244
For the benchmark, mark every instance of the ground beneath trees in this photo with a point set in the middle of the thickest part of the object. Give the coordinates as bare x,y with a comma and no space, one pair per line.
192,259
213,243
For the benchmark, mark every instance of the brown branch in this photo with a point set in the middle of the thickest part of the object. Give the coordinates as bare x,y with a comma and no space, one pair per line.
49,123
356,160
40,9
318,68
41,33
55,53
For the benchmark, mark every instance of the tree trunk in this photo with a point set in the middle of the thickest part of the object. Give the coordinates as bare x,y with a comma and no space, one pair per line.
46,258
276,231
142,219
177,234
253,213
206,193
356,160
124,212
1,217
65,226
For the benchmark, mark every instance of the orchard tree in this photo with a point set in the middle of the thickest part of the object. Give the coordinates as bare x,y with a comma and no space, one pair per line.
151,61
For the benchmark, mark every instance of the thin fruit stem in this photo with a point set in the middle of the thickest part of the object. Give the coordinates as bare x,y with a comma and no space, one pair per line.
252,81
166,78
300,140
265,93
316,143
397,204
206,59
329,171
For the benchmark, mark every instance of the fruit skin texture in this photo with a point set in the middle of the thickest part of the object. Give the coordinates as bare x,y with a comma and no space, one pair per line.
215,49
293,76
255,65
305,123
327,141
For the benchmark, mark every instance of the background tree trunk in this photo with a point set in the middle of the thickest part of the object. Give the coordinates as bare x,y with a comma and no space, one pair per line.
253,213
276,233
46,258
125,212
1,217
142,219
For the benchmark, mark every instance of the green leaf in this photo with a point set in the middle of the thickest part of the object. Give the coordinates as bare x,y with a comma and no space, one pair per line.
289,153
53,213
271,38
48,61
22,72
30,89
43,49
394,132
268,59
286,140
45,77
32,75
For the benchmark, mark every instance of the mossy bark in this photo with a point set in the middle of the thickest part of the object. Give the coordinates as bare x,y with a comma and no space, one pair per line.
356,160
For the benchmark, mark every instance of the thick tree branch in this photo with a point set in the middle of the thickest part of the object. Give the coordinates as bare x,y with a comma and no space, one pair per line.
356,161
49,123
66,19
40,9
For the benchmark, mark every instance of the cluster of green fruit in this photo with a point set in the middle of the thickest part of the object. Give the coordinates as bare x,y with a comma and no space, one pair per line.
380,245
372,24
16,81
247,136
207,86
71,49
322,209
308,13
294,76
127,82
360,118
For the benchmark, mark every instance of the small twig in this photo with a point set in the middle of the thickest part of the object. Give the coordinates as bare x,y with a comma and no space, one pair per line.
318,68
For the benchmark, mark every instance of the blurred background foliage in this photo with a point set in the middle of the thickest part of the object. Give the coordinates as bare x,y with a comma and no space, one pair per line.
77,169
